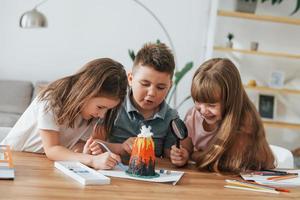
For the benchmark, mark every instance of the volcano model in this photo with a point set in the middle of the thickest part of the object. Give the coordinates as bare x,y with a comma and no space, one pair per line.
142,160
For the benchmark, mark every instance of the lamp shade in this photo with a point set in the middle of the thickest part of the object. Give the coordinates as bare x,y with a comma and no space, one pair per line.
33,19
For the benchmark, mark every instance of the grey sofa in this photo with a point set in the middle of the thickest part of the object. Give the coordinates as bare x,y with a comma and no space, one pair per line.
15,98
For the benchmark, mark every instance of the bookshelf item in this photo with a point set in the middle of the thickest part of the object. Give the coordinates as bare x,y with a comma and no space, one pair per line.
277,79
7,170
281,124
275,86
276,19
267,106
254,46
261,53
272,90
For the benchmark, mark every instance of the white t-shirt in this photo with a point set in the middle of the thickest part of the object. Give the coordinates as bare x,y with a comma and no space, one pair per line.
24,136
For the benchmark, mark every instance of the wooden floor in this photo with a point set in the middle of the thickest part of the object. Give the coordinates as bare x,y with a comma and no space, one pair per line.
36,178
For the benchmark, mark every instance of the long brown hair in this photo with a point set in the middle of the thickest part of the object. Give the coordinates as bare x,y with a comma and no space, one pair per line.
239,143
100,77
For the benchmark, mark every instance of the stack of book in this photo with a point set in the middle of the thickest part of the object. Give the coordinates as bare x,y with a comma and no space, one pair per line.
7,170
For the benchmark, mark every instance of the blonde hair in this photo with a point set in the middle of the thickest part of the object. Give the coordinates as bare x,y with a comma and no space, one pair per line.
101,77
239,143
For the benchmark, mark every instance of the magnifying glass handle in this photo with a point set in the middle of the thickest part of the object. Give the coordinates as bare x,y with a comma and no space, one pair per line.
178,143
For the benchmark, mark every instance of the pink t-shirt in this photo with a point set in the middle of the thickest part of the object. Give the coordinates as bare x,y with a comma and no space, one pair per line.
194,124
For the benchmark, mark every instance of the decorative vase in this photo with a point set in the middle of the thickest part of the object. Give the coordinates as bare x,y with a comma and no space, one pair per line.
246,6
229,44
254,46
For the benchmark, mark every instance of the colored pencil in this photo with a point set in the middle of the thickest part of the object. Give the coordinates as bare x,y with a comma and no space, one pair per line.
278,178
255,185
276,188
251,189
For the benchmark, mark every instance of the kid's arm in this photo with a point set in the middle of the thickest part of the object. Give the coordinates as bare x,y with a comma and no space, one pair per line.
180,156
120,148
55,151
100,134
78,147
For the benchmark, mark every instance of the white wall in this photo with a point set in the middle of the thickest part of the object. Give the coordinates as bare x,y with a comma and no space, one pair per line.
81,30
273,37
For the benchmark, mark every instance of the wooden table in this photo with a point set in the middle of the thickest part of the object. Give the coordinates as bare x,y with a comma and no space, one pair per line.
36,178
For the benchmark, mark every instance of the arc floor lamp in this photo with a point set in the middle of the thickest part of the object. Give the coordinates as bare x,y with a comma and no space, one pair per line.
36,19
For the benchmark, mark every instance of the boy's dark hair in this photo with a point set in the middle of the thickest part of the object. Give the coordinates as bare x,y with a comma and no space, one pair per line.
157,56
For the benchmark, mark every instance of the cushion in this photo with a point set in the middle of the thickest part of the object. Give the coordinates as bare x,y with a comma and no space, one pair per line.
15,96
8,119
3,132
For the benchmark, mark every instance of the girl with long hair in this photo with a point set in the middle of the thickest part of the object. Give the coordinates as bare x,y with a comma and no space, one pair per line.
226,133
69,109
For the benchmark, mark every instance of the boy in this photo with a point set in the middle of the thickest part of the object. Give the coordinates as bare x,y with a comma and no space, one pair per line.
149,81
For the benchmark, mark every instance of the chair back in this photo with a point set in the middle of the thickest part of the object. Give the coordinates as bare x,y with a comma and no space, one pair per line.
283,157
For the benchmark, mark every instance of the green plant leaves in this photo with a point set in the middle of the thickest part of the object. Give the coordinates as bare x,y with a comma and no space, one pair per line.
297,7
131,54
273,2
180,74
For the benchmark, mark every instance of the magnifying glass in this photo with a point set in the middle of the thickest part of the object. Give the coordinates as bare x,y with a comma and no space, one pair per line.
179,130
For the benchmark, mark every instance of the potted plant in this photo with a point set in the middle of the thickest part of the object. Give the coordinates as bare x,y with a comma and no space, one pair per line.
250,5
229,43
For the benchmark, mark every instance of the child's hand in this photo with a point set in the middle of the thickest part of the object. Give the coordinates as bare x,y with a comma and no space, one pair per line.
179,157
105,160
92,147
127,145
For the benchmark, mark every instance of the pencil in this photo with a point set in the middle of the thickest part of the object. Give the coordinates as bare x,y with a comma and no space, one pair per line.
278,178
243,184
255,185
276,188
251,189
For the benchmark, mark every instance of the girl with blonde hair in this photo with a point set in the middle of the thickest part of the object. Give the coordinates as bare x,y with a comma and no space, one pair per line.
69,109
226,133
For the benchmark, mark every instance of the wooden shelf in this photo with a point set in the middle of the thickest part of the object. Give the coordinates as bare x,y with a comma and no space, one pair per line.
273,90
278,124
263,53
285,20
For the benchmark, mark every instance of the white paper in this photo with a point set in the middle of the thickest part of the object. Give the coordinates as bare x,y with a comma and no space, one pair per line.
293,182
173,177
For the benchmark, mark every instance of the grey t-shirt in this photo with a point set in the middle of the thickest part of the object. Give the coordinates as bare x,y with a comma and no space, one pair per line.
129,122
